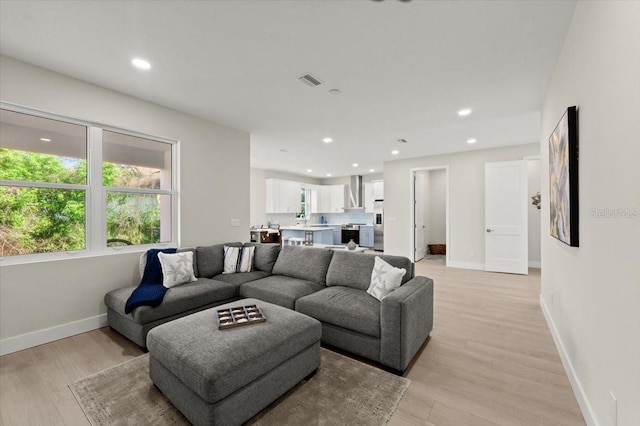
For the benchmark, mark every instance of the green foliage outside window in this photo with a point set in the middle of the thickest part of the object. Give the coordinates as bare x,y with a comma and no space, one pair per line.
40,220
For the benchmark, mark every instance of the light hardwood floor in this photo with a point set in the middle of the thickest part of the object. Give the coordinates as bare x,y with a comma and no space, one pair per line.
490,361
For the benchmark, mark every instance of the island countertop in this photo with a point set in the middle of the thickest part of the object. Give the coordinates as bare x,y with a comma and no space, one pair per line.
306,228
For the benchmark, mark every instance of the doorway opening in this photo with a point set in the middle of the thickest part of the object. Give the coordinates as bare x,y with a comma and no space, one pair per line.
429,212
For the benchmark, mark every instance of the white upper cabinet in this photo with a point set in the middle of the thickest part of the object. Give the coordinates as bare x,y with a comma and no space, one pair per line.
283,196
331,198
378,190
368,196
337,198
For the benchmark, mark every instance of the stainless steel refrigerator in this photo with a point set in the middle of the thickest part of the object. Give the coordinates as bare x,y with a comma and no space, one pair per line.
378,225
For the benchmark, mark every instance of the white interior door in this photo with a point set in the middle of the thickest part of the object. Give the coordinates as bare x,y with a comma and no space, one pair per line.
506,217
420,194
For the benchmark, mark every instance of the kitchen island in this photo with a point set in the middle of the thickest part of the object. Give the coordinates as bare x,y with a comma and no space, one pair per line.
321,234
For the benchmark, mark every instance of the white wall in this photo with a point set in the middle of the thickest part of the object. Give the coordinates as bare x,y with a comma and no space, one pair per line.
437,207
591,293
466,201
214,174
533,215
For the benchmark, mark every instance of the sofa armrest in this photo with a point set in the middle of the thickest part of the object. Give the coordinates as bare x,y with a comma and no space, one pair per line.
406,319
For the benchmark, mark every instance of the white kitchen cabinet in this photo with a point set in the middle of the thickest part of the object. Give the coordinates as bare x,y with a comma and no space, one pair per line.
337,235
378,190
324,199
337,198
366,236
331,199
368,196
312,198
283,196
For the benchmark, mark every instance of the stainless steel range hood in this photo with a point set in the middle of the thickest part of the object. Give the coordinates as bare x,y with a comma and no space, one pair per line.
355,193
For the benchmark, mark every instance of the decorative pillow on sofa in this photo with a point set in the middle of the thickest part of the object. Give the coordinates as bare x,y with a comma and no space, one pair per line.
176,268
384,279
142,263
238,259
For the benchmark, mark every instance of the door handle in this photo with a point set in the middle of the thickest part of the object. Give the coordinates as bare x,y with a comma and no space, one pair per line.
489,230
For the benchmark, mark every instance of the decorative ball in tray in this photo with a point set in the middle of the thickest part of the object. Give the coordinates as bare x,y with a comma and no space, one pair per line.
237,316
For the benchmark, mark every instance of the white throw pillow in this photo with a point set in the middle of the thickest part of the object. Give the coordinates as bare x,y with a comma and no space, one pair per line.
177,268
238,259
384,279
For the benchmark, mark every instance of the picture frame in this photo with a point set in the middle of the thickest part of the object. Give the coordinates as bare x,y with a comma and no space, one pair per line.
563,179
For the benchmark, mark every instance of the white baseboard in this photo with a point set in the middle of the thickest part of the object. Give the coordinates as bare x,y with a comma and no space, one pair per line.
40,337
465,265
535,264
578,390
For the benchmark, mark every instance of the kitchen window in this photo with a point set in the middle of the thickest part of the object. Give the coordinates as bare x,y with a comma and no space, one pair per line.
69,187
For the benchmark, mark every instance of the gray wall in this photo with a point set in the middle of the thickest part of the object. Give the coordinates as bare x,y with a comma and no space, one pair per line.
591,293
466,201
214,188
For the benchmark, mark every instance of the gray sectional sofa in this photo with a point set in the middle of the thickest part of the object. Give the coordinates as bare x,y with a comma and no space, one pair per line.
327,285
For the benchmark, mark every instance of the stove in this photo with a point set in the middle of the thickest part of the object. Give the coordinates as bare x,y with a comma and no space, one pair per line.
351,231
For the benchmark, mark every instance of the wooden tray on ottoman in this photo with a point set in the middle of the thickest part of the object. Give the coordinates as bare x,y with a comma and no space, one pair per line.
238,316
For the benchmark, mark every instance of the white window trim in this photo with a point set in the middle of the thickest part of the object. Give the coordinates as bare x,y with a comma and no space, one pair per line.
95,194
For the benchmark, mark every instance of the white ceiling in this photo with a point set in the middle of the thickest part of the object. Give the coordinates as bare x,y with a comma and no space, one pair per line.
403,69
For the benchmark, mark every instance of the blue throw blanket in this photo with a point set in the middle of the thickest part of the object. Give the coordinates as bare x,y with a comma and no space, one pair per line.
150,291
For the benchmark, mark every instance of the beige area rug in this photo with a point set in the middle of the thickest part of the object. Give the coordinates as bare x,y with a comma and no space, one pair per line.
343,391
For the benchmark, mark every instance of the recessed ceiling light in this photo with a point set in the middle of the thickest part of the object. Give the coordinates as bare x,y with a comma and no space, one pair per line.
328,174
471,141
402,140
45,140
141,63
309,170
283,150
464,112
334,91
355,164
327,140
371,170
395,152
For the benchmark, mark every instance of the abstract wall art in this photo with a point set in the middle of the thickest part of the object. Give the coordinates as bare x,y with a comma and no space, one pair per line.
563,179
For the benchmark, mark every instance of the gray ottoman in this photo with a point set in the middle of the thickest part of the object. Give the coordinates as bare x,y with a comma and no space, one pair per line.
217,377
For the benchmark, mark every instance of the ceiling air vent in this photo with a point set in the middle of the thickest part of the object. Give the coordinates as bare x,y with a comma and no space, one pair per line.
310,80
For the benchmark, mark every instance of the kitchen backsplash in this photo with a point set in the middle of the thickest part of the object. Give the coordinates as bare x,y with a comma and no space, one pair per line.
351,216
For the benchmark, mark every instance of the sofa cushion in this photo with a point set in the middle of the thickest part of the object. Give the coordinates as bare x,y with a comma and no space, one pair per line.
241,277
265,256
305,263
344,307
354,269
279,289
142,263
177,299
210,259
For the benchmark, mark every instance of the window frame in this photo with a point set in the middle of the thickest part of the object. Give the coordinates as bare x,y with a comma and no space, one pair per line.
96,193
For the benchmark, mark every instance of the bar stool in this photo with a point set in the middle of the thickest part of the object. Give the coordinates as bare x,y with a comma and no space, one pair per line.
296,241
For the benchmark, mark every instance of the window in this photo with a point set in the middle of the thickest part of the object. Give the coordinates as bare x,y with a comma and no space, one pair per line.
68,187
136,173
301,213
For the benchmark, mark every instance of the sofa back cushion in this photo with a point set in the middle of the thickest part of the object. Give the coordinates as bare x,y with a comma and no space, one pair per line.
354,269
210,259
265,256
305,263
